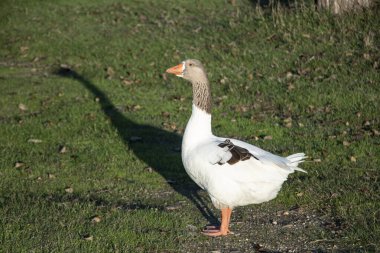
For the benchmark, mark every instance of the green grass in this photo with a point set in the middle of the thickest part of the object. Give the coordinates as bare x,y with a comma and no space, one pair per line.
265,66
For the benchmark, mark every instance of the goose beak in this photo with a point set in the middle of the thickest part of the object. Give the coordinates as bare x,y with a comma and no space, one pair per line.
177,70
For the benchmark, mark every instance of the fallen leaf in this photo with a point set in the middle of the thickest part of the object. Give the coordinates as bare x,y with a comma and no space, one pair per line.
19,165
268,137
272,37
196,30
110,72
165,114
173,126
34,140
223,80
287,120
62,149
136,107
149,169
69,190
289,75
65,66
346,143
180,130
22,107
51,176
88,237
368,40
241,108
300,194
353,159
178,98
291,86
96,219
24,49
303,72
127,82
171,208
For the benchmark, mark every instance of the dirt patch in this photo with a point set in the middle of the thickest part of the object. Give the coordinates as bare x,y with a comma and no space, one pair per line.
265,228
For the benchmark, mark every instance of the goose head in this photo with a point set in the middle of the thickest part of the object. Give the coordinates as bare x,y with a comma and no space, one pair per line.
191,70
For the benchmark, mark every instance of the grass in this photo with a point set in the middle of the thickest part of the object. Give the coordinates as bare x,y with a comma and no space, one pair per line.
90,77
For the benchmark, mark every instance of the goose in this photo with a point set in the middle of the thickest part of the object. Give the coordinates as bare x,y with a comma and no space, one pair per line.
234,173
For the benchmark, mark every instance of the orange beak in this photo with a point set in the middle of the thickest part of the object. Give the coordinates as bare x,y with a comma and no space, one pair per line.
176,70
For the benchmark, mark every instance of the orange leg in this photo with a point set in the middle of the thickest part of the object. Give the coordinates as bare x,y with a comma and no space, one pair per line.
223,230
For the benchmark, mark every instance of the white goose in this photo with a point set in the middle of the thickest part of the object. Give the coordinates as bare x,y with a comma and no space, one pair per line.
233,172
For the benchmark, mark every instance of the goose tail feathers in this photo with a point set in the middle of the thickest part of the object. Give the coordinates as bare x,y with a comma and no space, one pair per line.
296,159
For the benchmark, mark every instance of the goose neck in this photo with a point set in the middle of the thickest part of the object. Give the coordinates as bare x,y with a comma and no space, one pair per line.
202,94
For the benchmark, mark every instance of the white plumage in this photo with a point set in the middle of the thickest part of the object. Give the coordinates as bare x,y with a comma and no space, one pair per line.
247,182
208,162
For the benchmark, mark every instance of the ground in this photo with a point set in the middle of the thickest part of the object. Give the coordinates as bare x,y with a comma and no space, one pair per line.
91,125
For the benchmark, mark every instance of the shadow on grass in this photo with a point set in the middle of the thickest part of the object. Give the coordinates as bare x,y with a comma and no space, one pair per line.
270,3
286,4
101,202
156,148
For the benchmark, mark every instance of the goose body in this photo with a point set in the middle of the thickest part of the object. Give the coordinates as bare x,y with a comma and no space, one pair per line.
233,172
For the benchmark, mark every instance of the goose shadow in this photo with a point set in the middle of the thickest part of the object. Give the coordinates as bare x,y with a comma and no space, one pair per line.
157,148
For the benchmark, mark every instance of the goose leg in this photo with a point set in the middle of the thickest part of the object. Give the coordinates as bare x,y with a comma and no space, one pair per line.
223,229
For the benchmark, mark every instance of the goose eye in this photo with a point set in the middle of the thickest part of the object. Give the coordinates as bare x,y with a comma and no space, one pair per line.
190,64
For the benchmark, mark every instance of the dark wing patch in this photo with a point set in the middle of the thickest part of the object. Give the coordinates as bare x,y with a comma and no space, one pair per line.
238,153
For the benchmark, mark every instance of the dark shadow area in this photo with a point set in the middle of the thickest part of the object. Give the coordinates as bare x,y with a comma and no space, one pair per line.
101,202
272,3
286,4
157,147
